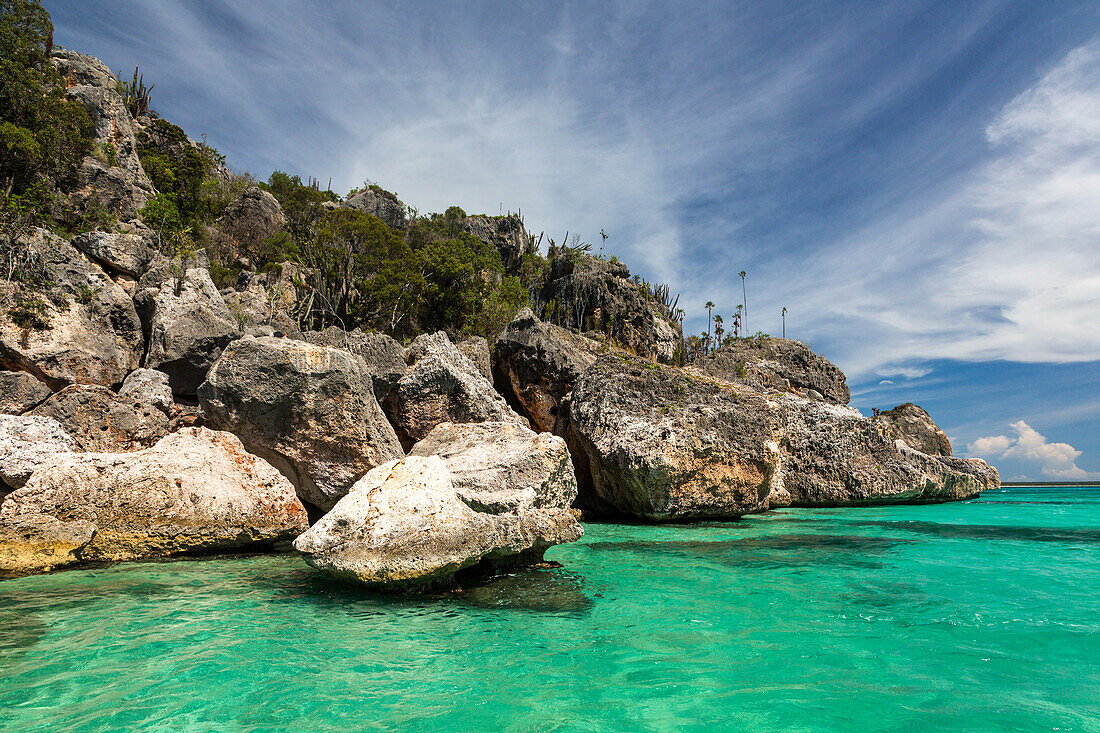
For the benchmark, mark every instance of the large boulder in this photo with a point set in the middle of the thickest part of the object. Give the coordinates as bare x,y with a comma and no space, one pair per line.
916,427
783,365
26,443
506,234
187,321
378,202
67,322
476,349
266,302
124,253
38,543
502,466
310,410
195,491
148,387
102,421
254,216
20,392
663,443
441,386
834,456
591,293
384,357
658,443
404,526
535,364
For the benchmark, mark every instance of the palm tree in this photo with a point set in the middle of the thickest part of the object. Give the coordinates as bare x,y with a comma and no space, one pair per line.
708,306
745,302
717,331
784,321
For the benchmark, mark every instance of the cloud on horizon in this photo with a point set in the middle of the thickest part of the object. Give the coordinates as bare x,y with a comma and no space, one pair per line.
1054,460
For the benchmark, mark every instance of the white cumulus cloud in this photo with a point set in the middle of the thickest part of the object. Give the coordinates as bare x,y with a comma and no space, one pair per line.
1055,460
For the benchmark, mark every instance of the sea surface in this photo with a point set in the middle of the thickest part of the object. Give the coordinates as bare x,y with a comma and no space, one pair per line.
977,616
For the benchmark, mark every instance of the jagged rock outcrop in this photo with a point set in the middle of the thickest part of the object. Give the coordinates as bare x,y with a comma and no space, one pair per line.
476,349
384,357
441,386
501,467
66,322
148,387
591,293
916,427
506,234
309,410
27,442
253,217
783,365
659,443
195,490
381,203
124,253
115,184
535,364
403,526
187,321
104,422
665,443
265,302
20,392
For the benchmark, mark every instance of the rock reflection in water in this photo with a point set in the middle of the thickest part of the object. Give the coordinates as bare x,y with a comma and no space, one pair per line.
532,589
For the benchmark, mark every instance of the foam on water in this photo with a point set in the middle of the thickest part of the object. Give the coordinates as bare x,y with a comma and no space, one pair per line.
976,616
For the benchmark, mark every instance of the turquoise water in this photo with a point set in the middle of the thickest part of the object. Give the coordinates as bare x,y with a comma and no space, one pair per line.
976,616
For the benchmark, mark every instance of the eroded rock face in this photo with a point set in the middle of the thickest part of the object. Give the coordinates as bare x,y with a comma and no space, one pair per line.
148,387
782,365
253,217
264,302
505,233
535,364
378,202
659,443
441,386
476,349
384,357
500,466
196,490
308,409
80,327
189,325
123,253
102,421
403,526
26,443
20,392
916,427
665,443
600,295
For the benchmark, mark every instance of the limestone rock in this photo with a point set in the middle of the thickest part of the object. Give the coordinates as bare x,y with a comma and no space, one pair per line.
442,385
505,233
501,466
535,364
189,325
39,543
102,421
378,202
123,253
384,357
20,392
253,217
476,349
148,387
310,410
403,526
658,443
777,364
195,490
912,424
27,442
79,69
87,329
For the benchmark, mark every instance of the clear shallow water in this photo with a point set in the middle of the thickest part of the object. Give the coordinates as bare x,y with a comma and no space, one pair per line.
975,616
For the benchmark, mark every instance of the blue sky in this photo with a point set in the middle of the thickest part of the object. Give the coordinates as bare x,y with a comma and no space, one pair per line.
918,183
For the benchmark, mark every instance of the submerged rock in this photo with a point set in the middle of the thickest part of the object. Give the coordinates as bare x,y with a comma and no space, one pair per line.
20,391
404,526
308,409
441,386
777,364
916,427
27,442
196,490
102,421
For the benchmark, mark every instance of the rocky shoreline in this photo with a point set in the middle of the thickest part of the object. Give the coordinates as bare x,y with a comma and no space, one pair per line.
145,412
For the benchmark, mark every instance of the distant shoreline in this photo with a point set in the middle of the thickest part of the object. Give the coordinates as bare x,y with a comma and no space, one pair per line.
1035,484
